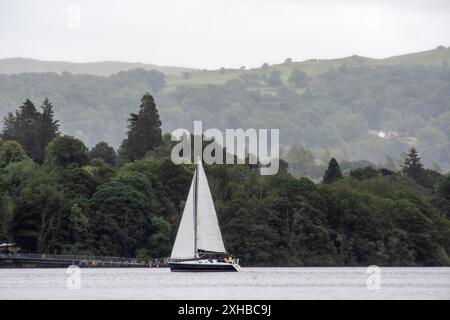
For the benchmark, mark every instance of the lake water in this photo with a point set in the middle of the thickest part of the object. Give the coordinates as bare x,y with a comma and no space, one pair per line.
250,283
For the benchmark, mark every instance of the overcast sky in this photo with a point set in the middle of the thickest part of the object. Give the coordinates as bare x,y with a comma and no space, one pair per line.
216,33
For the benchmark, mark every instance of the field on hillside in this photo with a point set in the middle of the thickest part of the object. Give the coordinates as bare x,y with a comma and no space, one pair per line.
312,67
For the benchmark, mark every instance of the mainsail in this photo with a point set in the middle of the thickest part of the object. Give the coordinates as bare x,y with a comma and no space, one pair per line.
209,237
199,228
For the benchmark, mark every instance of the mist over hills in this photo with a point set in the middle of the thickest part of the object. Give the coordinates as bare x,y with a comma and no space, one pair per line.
353,108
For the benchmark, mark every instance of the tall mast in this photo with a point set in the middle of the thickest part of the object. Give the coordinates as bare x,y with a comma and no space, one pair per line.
195,208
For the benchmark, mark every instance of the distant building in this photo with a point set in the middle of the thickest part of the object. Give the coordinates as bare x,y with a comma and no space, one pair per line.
385,134
394,135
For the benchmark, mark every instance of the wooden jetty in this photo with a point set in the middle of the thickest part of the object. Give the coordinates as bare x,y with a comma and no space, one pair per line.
63,261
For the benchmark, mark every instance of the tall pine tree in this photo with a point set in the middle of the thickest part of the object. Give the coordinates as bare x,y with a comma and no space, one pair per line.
49,128
32,129
413,167
23,127
144,131
333,172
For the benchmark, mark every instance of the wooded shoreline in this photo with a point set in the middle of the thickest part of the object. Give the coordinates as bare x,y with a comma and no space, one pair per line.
57,196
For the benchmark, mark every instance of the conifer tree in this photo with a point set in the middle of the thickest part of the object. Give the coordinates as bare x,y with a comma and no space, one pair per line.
32,129
144,131
49,128
23,127
333,172
413,166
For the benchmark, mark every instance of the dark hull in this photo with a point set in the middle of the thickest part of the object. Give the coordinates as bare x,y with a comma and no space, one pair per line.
201,267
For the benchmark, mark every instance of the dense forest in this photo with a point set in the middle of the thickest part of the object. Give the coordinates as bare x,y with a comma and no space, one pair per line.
354,108
59,196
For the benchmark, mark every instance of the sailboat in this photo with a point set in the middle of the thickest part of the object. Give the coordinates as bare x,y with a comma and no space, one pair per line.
199,245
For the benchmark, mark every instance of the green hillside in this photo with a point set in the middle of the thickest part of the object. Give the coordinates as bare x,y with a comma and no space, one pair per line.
103,68
438,56
181,76
312,67
338,107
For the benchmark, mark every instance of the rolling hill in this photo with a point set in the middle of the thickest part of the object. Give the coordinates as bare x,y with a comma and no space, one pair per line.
104,68
339,110
191,76
312,67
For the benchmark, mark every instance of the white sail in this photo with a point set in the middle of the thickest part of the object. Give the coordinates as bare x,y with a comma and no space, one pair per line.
184,247
199,228
209,237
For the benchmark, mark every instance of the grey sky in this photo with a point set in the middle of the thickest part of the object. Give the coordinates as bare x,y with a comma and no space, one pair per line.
215,33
